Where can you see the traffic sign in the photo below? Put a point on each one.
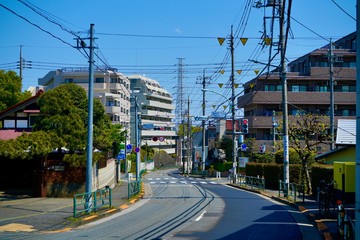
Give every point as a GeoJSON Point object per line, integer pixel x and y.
{"type": "Point", "coordinates": [243, 147]}
{"type": "Point", "coordinates": [128, 147]}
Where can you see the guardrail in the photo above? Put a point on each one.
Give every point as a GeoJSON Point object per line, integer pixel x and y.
{"type": "Point", "coordinates": [85, 203]}
{"type": "Point", "coordinates": [252, 182]}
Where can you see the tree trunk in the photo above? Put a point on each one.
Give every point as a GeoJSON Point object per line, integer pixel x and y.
{"type": "Point", "coordinates": [307, 178]}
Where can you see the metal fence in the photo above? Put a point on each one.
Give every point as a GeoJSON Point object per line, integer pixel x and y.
{"type": "Point", "coordinates": [252, 182]}
{"type": "Point", "coordinates": [290, 190]}
{"type": "Point", "coordinates": [134, 187]}
{"type": "Point", "coordinates": [85, 203]}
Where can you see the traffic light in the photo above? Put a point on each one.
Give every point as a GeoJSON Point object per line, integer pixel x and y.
{"type": "Point", "coordinates": [245, 126]}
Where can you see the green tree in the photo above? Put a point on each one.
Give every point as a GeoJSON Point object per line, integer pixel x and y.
{"type": "Point", "coordinates": [10, 89]}
{"type": "Point", "coordinates": [227, 145]}
{"type": "Point", "coordinates": [35, 145]}
{"type": "Point", "coordinates": [306, 132]}
{"type": "Point", "coordinates": [63, 112]}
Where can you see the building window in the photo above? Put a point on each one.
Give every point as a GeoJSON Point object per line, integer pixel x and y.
{"type": "Point", "coordinates": [68, 80]}
{"type": "Point", "coordinates": [99, 80]}
{"type": "Point", "coordinates": [9, 123]}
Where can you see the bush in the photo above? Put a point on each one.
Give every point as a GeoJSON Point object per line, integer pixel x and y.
{"type": "Point", "coordinates": [295, 173]}
{"type": "Point", "coordinates": [262, 158]}
{"type": "Point", "coordinates": [272, 175]}
{"type": "Point", "coordinates": [319, 173]}
{"type": "Point", "coordinates": [293, 157]}
{"type": "Point", "coordinates": [223, 166]}
{"type": "Point", "coordinates": [254, 169]}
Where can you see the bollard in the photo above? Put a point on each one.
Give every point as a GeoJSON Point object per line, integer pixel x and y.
{"type": "Point", "coordinates": [340, 219]}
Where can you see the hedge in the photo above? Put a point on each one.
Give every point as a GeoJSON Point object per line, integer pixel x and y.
{"type": "Point", "coordinates": [274, 172]}
{"type": "Point", "coordinates": [321, 172]}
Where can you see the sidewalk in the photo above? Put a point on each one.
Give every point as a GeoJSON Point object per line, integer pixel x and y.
{"type": "Point", "coordinates": [26, 214]}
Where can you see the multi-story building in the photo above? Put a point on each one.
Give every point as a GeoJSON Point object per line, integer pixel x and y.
{"type": "Point", "coordinates": [110, 87]}
{"type": "Point", "coordinates": [155, 106]}
{"type": "Point", "coordinates": [308, 84]}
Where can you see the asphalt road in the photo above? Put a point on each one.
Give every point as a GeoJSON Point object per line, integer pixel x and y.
{"type": "Point", "coordinates": [175, 207]}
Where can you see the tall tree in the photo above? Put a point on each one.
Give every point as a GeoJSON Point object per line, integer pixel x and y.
{"type": "Point", "coordinates": [306, 132]}
{"type": "Point", "coordinates": [10, 89]}
{"type": "Point", "coordinates": [63, 112]}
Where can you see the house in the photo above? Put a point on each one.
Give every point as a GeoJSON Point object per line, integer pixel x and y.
{"type": "Point", "coordinates": [19, 118]}
{"type": "Point", "coordinates": [345, 144]}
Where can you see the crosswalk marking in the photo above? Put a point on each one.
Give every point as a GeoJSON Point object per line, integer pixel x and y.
{"type": "Point", "coordinates": [172, 180]}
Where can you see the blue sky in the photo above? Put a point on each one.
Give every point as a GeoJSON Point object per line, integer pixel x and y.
{"type": "Point", "coordinates": [147, 37]}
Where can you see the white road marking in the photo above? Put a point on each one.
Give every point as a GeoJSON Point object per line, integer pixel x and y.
{"type": "Point", "coordinates": [200, 217]}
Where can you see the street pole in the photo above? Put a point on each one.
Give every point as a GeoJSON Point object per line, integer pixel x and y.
{"type": "Point", "coordinates": [284, 93]}
{"type": "Point", "coordinates": [233, 103]}
{"type": "Point", "coordinates": [89, 145]}
{"type": "Point", "coordinates": [331, 60]}
{"type": "Point", "coordinates": [188, 138]}
{"type": "Point", "coordinates": [203, 123]}
{"type": "Point", "coordinates": [137, 139]}
{"type": "Point", "coordinates": [357, 171]}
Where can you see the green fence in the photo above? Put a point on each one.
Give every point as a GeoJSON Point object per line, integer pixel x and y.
{"type": "Point", "coordinates": [134, 187]}
{"type": "Point", "coordinates": [85, 203]}
{"type": "Point", "coordinates": [252, 182]}
{"type": "Point", "coordinates": [288, 190]}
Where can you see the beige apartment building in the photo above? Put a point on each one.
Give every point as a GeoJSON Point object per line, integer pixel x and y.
{"type": "Point", "coordinates": [110, 87]}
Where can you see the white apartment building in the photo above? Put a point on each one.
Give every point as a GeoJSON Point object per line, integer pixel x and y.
{"type": "Point", "coordinates": [110, 87]}
{"type": "Point", "coordinates": [155, 107]}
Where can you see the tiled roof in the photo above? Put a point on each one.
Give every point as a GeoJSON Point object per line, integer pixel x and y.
{"type": "Point", "coordinates": [6, 134]}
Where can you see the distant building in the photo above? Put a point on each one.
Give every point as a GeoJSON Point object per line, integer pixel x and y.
{"type": "Point", "coordinates": [110, 87]}
{"type": "Point", "coordinates": [308, 79]}
{"type": "Point", "coordinates": [155, 105]}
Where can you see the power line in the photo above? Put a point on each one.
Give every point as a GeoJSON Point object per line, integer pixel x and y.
{"type": "Point", "coordinates": [35, 25]}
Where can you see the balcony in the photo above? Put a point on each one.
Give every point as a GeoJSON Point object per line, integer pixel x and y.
{"type": "Point", "coordinates": [301, 98]}
{"type": "Point", "coordinates": [160, 105]}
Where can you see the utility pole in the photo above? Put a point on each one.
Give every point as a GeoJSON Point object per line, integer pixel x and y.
{"type": "Point", "coordinates": [331, 61]}
{"type": "Point", "coordinates": [89, 145]}
{"type": "Point", "coordinates": [284, 92]}
{"type": "Point", "coordinates": [180, 111]}
{"type": "Point", "coordinates": [188, 137]}
{"type": "Point", "coordinates": [203, 82]}
{"type": "Point", "coordinates": [233, 103]}
{"type": "Point", "coordinates": [21, 63]}
{"type": "Point", "coordinates": [137, 138]}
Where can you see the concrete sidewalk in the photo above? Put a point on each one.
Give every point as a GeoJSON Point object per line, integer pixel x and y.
{"type": "Point", "coordinates": [27, 214]}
